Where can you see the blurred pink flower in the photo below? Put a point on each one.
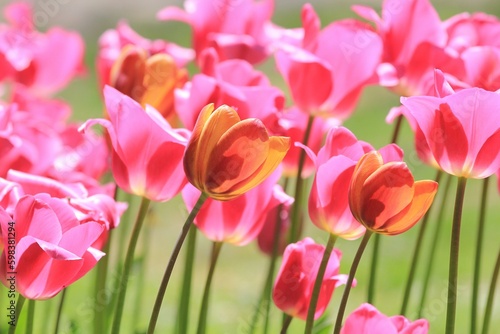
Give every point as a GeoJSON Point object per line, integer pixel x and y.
{"type": "Point", "coordinates": [366, 319]}
{"type": "Point", "coordinates": [233, 82]}
{"type": "Point", "coordinates": [53, 249]}
{"type": "Point", "coordinates": [328, 200]}
{"type": "Point", "coordinates": [147, 153]}
{"type": "Point", "coordinates": [458, 133]}
{"type": "Point", "coordinates": [235, 29]}
{"type": "Point", "coordinates": [414, 44]}
{"type": "Point", "coordinates": [27, 56]}
{"type": "Point", "coordinates": [328, 72]}
{"type": "Point", "coordinates": [237, 221]}
{"type": "Point", "coordinates": [295, 280]}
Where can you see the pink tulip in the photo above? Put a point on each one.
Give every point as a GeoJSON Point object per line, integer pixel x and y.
{"type": "Point", "coordinates": [297, 274]}
{"type": "Point", "coordinates": [414, 44]}
{"type": "Point", "coordinates": [279, 215]}
{"type": "Point", "coordinates": [235, 29]}
{"type": "Point", "coordinates": [321, 73]}
{"type": "Point", "coordinates": [27, 56]}
{"type": "Point", "coordinates": [237, 221]}
{"type": "Point", "coordinates": [459, 133]}
{"type": "Point", "coordinates": [366, 319]}
{"type": "Point", "coordinates": [113, 41]}
{"type": "Point", "coordinates": [147, 153]}
{"type": "Point", "coordinates": [292, 123]}
{"type": "Point", "coordinates": [233, 82]}
{"type": "Point", "coordinates": [328, 200]}
{"type": "Point", "coordinates": [53, 249]}
{"type": "Point", "coordinates": [482, 67]}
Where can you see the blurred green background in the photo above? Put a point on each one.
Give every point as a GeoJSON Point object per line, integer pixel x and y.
{"type": "Point", "coordinates": [241, 270]}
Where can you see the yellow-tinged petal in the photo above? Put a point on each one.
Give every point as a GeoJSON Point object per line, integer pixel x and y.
{"type": "Point", "coordinates": [385, 193]}
{"type": "Point", "coordinates": [366, 166]}
{"type": "Point", "coordinates": [220, 121]}
{"type": "Point", "coordinates": [127, 72]}
{"type": "Point", "coordinates": [424, 192]}
{"type": "Point", "coordinates": [237, 155]}
{"type": "Point", "coordinates": [159, 82]}
{"type": "Point", "coordinates": [191, 161]}
{"type": "Point", "coordinates": [278, 147]}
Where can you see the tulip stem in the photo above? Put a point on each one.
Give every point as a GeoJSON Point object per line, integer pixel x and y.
{"type": "Point", "coordinates": [183, 311]}
{"type": "Point", "coordinates": [416, 254]}
{"type": "Point", "coordinates": [352, 272]}
{"type": "Point", "coordinates": [317, 284]}
{"type": "Point", "coordinates": [477, 261]}
{"type": "Point", "coordinates": [19, 307]}
{"type": "Point", "coordinates": [127, 265]}
{"type": "Point", "coordinates": [171, 262]}
{"type": "Point", "coordinates": [287, 320]}
{"type": "Point", "coordinates": [202, 321]}
{"type": "Point", "coordinates": [432, 251]}
{"type": "Point", "coordinates": [491, 296]}
{"type": "Point", "coordinates": [299, 185]}
{"type": "Point", "coordinates": [454, 248]}
{"type": "Point", "coordinates": [31, 316]}
{"type": "Point", "coordinates": [59, 310]}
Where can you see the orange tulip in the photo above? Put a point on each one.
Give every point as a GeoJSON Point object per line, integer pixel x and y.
{"type": "Point", "coordinates": [385, 198]}
{"type": "Point", "coordinates": [226, 156]}
{"type": "Point", "coordinates": [148, 79]}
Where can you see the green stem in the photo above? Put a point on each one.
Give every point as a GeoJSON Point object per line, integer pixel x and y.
{"type": "Point", "coordinates": [19, 307]}
{"type": "Point", "coordinates": [454, 249]}
{"type": "Point", "coordinates": [170, 267]}
{"type": "Point", "coordinates": [202, 321]}
{"type": "Point", "coordinates": [432, 252]}
{"type": "Point", "coordinates": [299, 185]}
{"type": "Point", "coordinates": [59, 310]}
{"type": "Point", "coordinates": [100, 287]}
{"type": "Point", "coordinates": [183, 312]}
{"type": "Point", "coordinates": [477, 261]}
{"type": "Point", "coordinates": [376, 242]}
{"type": "Point", "coordinates": [352, 272]}
{"type": "Point", "coordinates": [286, 323]}
{"type": "Point", "coordinates": [416, 254]}
{"type": "Point", "coordinates": [491, 296]}
{"type": "Point", "coordinates": [317, 284]}
{"type": "Point", "coordinates": [373, 269]}
{"type": "Point", "coordinates": [31, 316]}
{"type": "Point", "coordinates": [122, 286]}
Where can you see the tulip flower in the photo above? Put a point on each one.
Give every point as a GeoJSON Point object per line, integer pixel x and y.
{"type": "Point", "coordinates": [460, 132]}
{"type": "Point", "coordinates": [240, 220]}
{"type": "Point", "coordinates": [295, 280]}
{"type": "Point", "coordinates": [226, 156]}
{"type": "Point", "coordinates": [384, 197]}
{"type": "Point", "coordinates": [366, 319]}
{"type": "Point", "coordinates": [147, 152]}
{"type": "Point", "coordinates": [150, 80]}
{"type": "Point", "coordinates": [53, 249]}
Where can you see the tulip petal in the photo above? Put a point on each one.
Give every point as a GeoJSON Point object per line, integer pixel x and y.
{"type": "Point", "coordinates": [368, 164]}
{"type": "Point", "coordinates": [386, 193]}
{"type": "Point", "coordinates": [237, 155]}
{"type": "Point", "coordinates": [278, 147]}
{"type": "Point", "coordinates": [160, 80]}
{"type": "Point", "coordinates": [488, 158]}
{"type": "Point", "coordinates": [424, 192]}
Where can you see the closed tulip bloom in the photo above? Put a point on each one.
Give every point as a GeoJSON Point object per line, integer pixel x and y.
{"type": "Point", "coordinates": [226, 156]}
{"type": "Point", "coordinates": [460, 131]}
{"type": "Point", "coordinates": [147, 153]}
{"type": "Point", "coordinates": [295, 280]}
{"type": "Point", "coordinates": [384, 196]}
{"type": "Point", "coordinates": [53, 249]}
{"type": "Point", "coordinates": [366, 319]}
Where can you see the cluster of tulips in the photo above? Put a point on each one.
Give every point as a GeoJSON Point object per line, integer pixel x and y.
{"type": "Point", "coordinates": [249, 161]}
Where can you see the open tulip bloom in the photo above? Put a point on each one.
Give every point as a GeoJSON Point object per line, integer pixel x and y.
{"type": "Point", "coordinates": [254, 134]}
